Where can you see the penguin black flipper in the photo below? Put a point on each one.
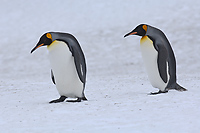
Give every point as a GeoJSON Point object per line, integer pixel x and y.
{"type": "Point", "coordinates": [162, 62]}
{"type": "Point", "coordinates": [80, 64]}
{"type": "Point", "coordinates": [52, 77]}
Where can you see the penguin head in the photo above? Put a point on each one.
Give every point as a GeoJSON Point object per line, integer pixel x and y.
{"type": "Point", "coordinates": [140, 30]}
{"type": "Point", "coordinates": [45, 40]}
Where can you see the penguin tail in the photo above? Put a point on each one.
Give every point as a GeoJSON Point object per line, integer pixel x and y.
{"type": "Point", "coordinates": [179, 88]}
{"type": "Point", "coordinates": [83, 97]}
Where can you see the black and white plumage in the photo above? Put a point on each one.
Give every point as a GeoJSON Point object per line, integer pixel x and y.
{"type": "Point", "coordinates": [68, 65]}
{"type": "Point", "coordinates": [158, 58]}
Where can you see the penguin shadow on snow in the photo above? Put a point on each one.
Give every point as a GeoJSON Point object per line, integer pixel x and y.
{"type": "Point", "coordinates": [158, 57]}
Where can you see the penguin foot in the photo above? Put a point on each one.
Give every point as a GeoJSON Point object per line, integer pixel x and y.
{"type": "Point", "coordinates": [73, 101]}
{"type": "Point", "coordinates": [61, 99]}
{"type": "Point", "coordinates": [159, 92]}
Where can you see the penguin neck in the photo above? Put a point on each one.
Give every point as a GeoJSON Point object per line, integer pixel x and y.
{"type": "Point", "coordinates": [145, 38]}
{"type": "Point", "coordinates": [56, 45]}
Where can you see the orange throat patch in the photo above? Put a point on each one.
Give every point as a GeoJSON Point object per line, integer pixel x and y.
{"type": "Point", "coordinates": [144, 39]}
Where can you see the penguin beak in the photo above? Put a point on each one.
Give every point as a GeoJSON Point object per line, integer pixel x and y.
{"type": "Point", "coordinates": [131, 33]}
{"type": "Point", "coordinates": [37, 46]}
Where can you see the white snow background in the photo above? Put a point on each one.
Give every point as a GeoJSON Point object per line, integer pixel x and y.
{"type": "Point", "coordinates": [117, 85]}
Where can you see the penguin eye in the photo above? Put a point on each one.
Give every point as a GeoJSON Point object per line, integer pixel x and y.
{"type": "Point", "coordinates": [144, 27]}
{"type": "Point", "coordinates": [48, 35]}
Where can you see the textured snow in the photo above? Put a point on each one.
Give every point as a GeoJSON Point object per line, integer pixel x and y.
{"type": "Point", "coordinates": [117, 85]}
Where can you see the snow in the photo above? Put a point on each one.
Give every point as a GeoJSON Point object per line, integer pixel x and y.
{"type": "Point", "coordinates": [117, 84]}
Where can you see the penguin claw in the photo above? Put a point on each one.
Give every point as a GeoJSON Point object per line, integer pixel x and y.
{"type": "Point", "coordinates": [159, 92]}
{"type": "Point", "coordinates": [61, 99]}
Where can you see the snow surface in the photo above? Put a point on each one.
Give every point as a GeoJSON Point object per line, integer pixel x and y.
{"type": "Point", "coordinates": [117, 84]}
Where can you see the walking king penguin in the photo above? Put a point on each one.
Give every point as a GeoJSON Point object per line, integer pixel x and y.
{"type": "Point", "coordinates": [158, 58]}
{"type": "Point", "coordinates": [68, 65]}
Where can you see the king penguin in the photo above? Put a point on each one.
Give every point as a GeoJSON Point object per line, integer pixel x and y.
{"type": "Point", "coordinates": [159, 59]}
{"type": "Point", "coordinates": [68, 64]}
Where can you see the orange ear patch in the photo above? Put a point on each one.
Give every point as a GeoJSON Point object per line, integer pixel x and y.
{"type": "Point", "coordinates": [144, 27]}
{"type": "Point", "coordinates": [48, 35]}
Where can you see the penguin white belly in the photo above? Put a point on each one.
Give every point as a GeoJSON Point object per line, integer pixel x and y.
{"type": "Point", "coordinates": [64, 70]}
{"type": "Point", "coordinates": [150, 55]}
